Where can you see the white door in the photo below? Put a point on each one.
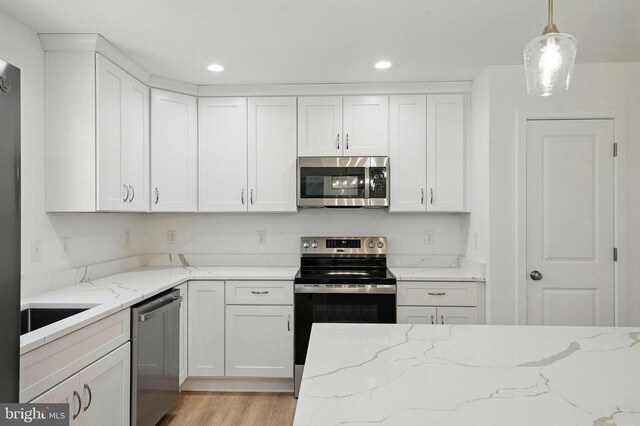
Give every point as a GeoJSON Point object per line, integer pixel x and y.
{"type": "Point", "coordinates": [184, 330]}
{"type": "Point", "coordinates": [570, 234]}
{"type": "Point", "coordinates": [65, 393]}
{"type": "Point", "coordinates": [320, 126]}
{"type": "Point", "coordinates": [366, 126]}
{"type": "Point", "coordinates": [416, 315]}
{"type": "Point", "coordinates": [222, 143]}
{"type": "Point", "coordinates": [206, 328]}
{"type": "Point", "coordinates": [174, 152]}
{"type": "Point", "coordinates": [457, 315]}
{"type": "Point", "coordinates": [111, 83]}
{"type": "Point", "coordinates": [446, 153]}
{"type": "Point", "coordinates": [135, 145]}
{"type": "Point", "coordinates": [408, 153]}
{"type": "Point", "coordinates": [272, 154]}
{"type": "Point", "coordinates": [259, 341]}
{"type": "Point", "coordinates": [105, 387]}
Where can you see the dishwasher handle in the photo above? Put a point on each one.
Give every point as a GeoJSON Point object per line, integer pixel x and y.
{"type": "Point", "coordinates": [171, 303]}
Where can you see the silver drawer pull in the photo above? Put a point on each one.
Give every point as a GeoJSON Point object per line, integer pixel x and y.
{"type": "Point", "coordinates": [436, 294]}
{"type": "Point", "coordinates": [432, 320]}
{"type": "Point", "coordinates": [442, 319]}
{"type": "Point", "coordinates": [259, 292]}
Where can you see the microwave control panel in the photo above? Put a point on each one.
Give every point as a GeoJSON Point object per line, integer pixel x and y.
{"type": "Point", "coordinates": [378, 182]}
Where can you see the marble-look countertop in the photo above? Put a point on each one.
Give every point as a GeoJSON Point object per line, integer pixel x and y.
{"type": "Point", "coordinates": [111, 294]}
{"type": "Point", "coordinates": [357, 374]}
{"type": "Point", "coordinates": [468, 273]}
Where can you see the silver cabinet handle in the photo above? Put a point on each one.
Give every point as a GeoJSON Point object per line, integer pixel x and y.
{"type": "Point", "coordinates": [346, 141]}
{"type": "Point", "coordinates": [157, 195]}
{"type": "Point", "coordinates": [126, 197]}
{"type": "Point", "coordinates": [431, 190]}
{"type": "Point", "coordinates": [288, 322]}
{"type": "Point", "coordinates": [432, 320]}
{"type": "Point", "coordinates": [421, 195]}
{"type": "Point", "coordinates": [86, 386]}
{"type": "Point", "coordinates": [259, 292]}
{"type": "Point", "coordinates": [338, 141]}
{"type": "Point", "coordinates": [441, 319]}
{"type": "Point", "coordinates": [133, 193]}
{"type": "Point", "coordinates": [251, 196]}
{"type": "Point", "coordinates": [77, 395]}
{"type": "Point", "coordinates": [242, 196]}
{"type": "Point", "coordinates": [436, 293]}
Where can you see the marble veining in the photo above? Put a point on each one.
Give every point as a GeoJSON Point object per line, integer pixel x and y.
{"type": "Point", "coordinates": [358, 374]}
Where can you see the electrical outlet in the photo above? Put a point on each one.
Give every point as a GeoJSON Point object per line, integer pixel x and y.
{"type": "Point", "coordinates": [36, 251]}
{"type": "Point", "coordinates": [429, 238]}
{"type": "Point", "coordinates": [476, 244]}
{"type": "Point", "coordinates": [127, 238]}
{"type": "Point", "coordinates": [262, 238]}
{"type": "Point", "coordinates": [64, 241]}
{"type": "Point", "coordinates": [171, 237]}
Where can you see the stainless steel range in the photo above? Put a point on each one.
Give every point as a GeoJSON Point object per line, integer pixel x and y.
{"type": "Point", "coordinates": [341, 280]}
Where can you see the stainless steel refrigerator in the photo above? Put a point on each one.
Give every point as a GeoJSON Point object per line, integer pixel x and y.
{"type": "Point", "coordinates": [9, 232]}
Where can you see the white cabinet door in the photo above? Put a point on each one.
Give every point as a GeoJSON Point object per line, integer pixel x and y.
{"type": "Point", "coordinates": [174, 152]}
{"type": "Point", "coordinates": [320, 126]}
{"type": "Point", "coordinates": [135, 145]}
{"type": "Point", "coordinates": [259, 341]}
{"type": "Point", "coordinates": [184, 330]}
{"type": "Point", "coordinates": [366, 126]}
{"type": "Point", "coordinates": [65, 393]}
{"type": "Point", "coordinates": [457, 315]}
{"type": "Point", "coordinates": [105, 387]}
{"type": "Point", "coordinates": [272, 154]}
{"type": "Point", "coordinates": [206, 328]}
{"type": "Point", "coordinates": [111, 84]}
{"type": "Point", "coordinates": [222, 142]}
{"type": "Point", "coordinates": [446, 153]}
{"type": "Point", "coordinates": [408, 153]}
{"type": "Point", "coordinates": [416, 315]}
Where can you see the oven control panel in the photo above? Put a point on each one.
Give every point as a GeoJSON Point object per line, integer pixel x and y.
{"type": "Point", "coordinates": [343, 245]}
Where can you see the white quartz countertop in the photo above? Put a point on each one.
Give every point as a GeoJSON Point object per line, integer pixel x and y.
{"type": "Point", "coordinates": [388, 374]}
{"type": "Point", "coordinates": [111, 294]}
{"type": "Point", "coordinates": [469, 273]}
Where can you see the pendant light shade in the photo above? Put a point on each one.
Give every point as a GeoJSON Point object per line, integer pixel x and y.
{"type": "Point", "coordinates": [549, 60]}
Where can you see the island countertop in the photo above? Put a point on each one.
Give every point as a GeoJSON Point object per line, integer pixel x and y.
{"type": "Point", "coordinates": [392, 374]}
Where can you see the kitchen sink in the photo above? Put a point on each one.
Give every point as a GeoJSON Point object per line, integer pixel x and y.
{"type": "Point", "coordinates": [34, 318]}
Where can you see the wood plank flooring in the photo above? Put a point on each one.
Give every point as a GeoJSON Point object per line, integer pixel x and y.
{"type": "Point", "coordinates": [231, 409]}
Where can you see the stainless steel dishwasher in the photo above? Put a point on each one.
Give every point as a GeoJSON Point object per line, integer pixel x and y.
{"type": "Point", "coordinates": [155, 345]}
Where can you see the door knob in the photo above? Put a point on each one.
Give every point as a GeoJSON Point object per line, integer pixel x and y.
{"type": "Point", "coordinates": [535, 275]}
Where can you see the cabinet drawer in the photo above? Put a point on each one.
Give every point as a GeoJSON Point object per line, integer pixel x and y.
{"type": "Point", "coordinates": [259, 293]}
{"type": "Point", "coordinates": [437, 293]}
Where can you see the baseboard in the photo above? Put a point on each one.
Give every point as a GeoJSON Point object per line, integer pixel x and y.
{"type": "Point", "coordinates": [237, 384]}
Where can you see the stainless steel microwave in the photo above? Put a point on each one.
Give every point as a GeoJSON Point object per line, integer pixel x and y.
{"type": "Point", "coordinates": [343, 182]}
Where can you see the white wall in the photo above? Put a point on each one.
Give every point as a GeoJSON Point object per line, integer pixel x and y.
{"type": "Point", "coordinates": [92, 238]}
{"type": "Point", "coordinates": [595, 86]}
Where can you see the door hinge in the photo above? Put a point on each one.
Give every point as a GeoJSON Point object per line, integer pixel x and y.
{"type": "Point", "coordinates": [615, 149]}
{"type": "Point", "coordinates": [615, 254]}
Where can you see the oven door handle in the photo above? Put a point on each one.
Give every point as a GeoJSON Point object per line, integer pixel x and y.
{"type": "Point", "coordinates": [378, 289]}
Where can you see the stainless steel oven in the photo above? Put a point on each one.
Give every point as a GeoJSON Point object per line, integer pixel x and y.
{"type": "Point", "coordinates": [343, 181]}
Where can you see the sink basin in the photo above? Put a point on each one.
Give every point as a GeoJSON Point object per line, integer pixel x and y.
{"type": "Point", "coordinates": [34, 318]}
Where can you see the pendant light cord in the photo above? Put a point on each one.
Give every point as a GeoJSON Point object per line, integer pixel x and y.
{"type": "Point", "coordinates": [550, 12]}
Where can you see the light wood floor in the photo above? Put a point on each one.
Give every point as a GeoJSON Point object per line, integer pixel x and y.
{"type": "Point", "coordinates": [223, 408]}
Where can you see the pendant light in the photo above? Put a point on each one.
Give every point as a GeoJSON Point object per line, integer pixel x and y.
{"type": "Point", "coordinates": [549, 60]}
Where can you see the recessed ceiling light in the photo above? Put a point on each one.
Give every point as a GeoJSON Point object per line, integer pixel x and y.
{"type": "Point", "coordinates": [382, 65]}
{"type": "Point", "coordinates": [215, 68]}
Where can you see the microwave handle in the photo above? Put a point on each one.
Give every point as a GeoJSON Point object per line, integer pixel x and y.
{"type": "Point", "coordinates": [367, 183]}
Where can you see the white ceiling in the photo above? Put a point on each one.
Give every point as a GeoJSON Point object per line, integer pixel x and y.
{"type": "Point", "coordinates": [322, 41]}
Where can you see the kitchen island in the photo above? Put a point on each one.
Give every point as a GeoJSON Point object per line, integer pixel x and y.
{"type": "Point", "coordinates": [470, 375]}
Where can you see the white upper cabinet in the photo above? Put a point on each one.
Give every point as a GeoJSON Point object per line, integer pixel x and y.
{"type": "Point", "coordinates": [272, 154]}
{"type": "Point", "coordinates": [222, 141]}
{"type": "Point", "coordinates": [320, 126]}
{"type": "Point", "coordinates": [366, 126]}
{"type": "Point", "coordinates": [174, 152]}
{"type": "Point", "coordinates": [122, 140]}
{"type": "Point", "coordinates": [446, 153]}
{"type": "Point", "coordinates": [408, 153]}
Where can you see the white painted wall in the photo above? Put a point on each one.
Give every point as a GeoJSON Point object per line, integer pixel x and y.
{"type": "Point", "coordinates": [595, 86]}
{"type": "Point", "coordinates": [92, 238]}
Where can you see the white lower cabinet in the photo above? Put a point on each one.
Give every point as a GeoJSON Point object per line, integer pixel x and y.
{"type": "Point", "coordinates": [99, 394]}
{"type": "Point", "coordinates": [184, 330]}
{"type": "Point", "coordinates": [437, 315]}
{"type": "Point", "coordinates": [259, 341]}
{"type": "Point", "coordinates": [206, 329]}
